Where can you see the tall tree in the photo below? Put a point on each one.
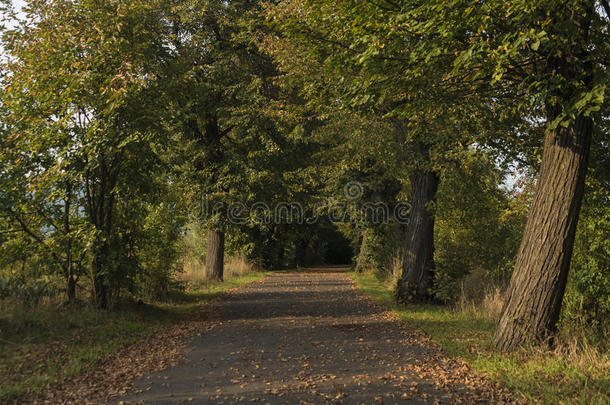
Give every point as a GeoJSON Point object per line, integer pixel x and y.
{"type": "Point", "coordinates": [549, 64]}
{"type": "Point", "coordinates": [80, 74]}
{"type": "Point", "coordinates": [358, 58]}
{"type": "Point", "coordinates": [558, 61]}
{"type": "Point", "coordinates": [220, 88]}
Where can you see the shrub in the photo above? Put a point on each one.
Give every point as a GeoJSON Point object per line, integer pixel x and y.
{"type": "Point", "coordinates": [28, 292]}
{"type": "Point", "coordinates": [586, 308]}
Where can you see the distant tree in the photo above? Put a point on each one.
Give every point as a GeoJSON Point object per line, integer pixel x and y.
{"type": "Point", "coordinates": [352, 57]}
{"type": "Point", "coordinates": [219, 86]}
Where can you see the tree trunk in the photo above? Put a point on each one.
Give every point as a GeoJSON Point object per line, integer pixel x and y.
{"type": "Point", "coordinates": [101, 292]}
{"type": "Point", "coordinates": [214, 259]}
{"type": "Point", "coordinates": [362, 262]}
{"type": "Point", "coordinates": [69, 264]}
{"type": "Point", "coordinates": [100, 280]}
{"type": "Point", "coordinates": [71, 289]}
{"type": "Point", "coordinates": [301, 252]}
{"type": "Point", "coordinates": [418, 259]}
{"type": "Point", "coordinates": [533, 300]}
{"type": "Point", "coordinates": [70, 279]}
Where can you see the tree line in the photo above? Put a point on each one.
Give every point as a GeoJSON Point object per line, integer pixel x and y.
{"type": "Point", "coordinates": [117, 118]}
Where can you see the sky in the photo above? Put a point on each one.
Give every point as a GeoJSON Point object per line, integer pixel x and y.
{"type": "Point", "coordinates": [18, 3]}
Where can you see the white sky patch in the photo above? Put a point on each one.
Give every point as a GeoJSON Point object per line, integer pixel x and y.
{"type": "Point", "coordinates": [18, 4]}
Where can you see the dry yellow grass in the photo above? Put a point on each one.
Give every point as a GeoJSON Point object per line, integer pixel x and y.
{"type": "Point", "coordinates": [395, 271]}
{"type": "Point", "coordinates": [574, 372]}
{"type": "Point", "coordinates": [488, 307]}
{"type": "Point", "coordinates": [570, 351]}
{"type": "Point", "coordinates": [193, 273]}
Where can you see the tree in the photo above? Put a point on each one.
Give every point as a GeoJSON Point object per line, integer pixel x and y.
{"type": "Point", "coordinates": [549, 64]}
{"type": "Point", "coordinates": [80, 74]}
{"type": "Point", "coordinates": [361, 167]}
{"type": "Point", "coordinates": [358, 57]}
{"type": "Point", "coordinates": [557, 60]}
{"type": "Point", "coordinates": [217, 82]}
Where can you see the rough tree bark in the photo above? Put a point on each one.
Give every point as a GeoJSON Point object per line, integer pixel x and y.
{"type": "Point", "coordinates": [362, 262]}
{"type": "Point", "coordinates": [418, 259]}
{"type": "Point", "coordinates": [214, 264]}
{"type": "Point", "coordinates": [533, 300]}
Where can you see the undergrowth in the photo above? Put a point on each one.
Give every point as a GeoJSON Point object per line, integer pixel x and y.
{"type": "Point", "coordinates": [47, 344]}
{"type": "Point", "coordinates": [573, 373]}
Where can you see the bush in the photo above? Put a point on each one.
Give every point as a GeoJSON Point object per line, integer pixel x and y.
{"type": "Point", "coordinates": [478, 225]}
{"type": "Point", "coordinates": [158, 252]}
{"type": "Point", "coordinates": [586, 308]}
{"type": "Point", "coordinates": [28, 292]}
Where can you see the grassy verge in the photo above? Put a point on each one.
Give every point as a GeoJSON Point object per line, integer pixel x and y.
{"type": "Point", "coordinates": [48, 344]}
{"type": "Point", "coordinates": [538, 376]}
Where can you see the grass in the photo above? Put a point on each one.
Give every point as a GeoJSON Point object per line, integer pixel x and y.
{"type": "Point", "coordinates": [49, 344]}
{"type": "Point", "coordinates": [571, 374]}
{"type": "Point", "coordinates": [193, 272]}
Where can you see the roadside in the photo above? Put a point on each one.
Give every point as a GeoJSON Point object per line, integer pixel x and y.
{"type": "Point", "coordinates": [311, 337]}
{"type": "Point", "coordinates": [45, 353]}
{"type": "Point", "coordinates": [563, 376]}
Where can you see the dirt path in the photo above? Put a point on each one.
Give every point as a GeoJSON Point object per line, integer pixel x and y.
{"type": "Point", "coordinates": [311, 338]}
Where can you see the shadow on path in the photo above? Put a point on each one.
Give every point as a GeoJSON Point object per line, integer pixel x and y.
{"type": "Point", "coordinates": [305, 337]}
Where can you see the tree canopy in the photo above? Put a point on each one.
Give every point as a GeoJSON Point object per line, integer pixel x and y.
{"type": "Point", "coordinates": [295, 132]}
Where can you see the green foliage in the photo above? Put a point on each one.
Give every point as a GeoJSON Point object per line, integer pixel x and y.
{"type": "Point", "coordinates": [532, 374]}
{"type": "Point", "coordinates": [76, 124]}
{"type": "Point", "coordinates": [78, 159]}
{"type": "Point", "coordinates": [56, 343]}
{"type": "Point", "coordinates": [362, 151]}
{"type": "Point", "coordinates": [27, 292]}
{"type": "Point", "coordinates": [478, 224]}
{"type": "Point", "coordinates": [158, 251]}
{"type": "Point", "coordinates": [587, 303]}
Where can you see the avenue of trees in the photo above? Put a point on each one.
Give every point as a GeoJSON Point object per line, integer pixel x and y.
{"type": "Point", "coordinates": [122, 122]}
